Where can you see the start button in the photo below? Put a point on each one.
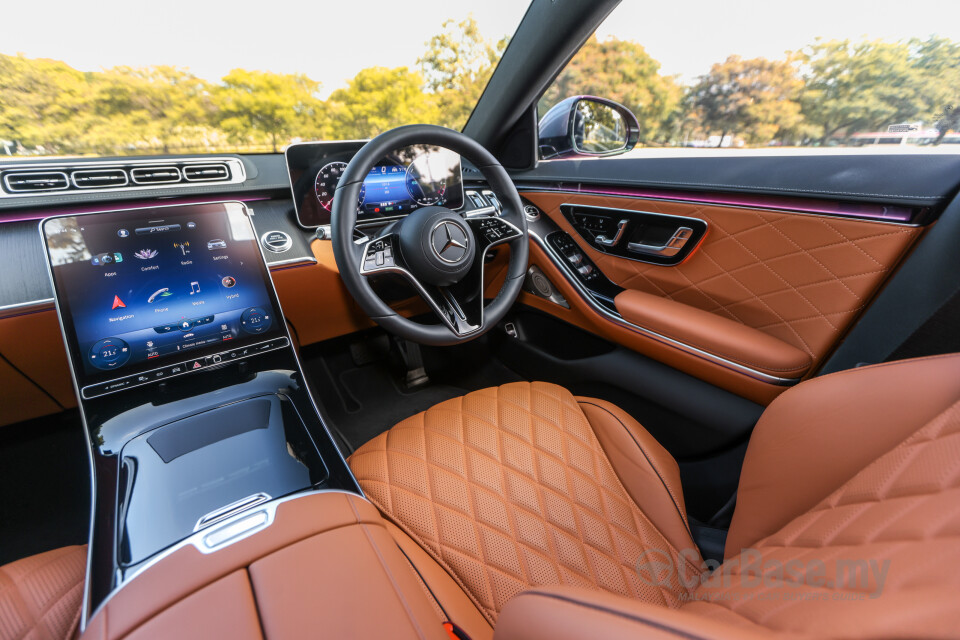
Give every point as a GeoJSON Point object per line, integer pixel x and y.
{"type": "Point", "coordinates": [276, 241]}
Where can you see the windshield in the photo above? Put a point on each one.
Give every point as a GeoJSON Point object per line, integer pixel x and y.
{"type": "Point", "coordinates": [196, 77]}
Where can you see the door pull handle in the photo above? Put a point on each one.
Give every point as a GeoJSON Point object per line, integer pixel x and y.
{"type": "Point", "coordinates": [612, 242]}
{"type": "Point", "coordinates": [669, 249]}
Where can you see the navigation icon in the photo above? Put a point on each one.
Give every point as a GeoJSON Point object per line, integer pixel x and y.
{"type": "Point", "coordinates": [117, 303]}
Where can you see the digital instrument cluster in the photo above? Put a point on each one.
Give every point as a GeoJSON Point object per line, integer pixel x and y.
{"type": "Point", "coordinates": [405, 180]}
{"type": "Point", "coordinates": [146, 293]}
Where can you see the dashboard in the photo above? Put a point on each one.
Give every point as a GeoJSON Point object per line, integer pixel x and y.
{"type": "Point", "coordinates": [403, 181]}
{"type": "Point", "coordinates": [155, 292]}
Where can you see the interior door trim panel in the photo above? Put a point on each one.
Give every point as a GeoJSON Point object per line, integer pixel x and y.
{"type": "Point", "coordinates": [801, 279]}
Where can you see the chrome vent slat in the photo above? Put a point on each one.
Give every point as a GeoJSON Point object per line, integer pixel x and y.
{"type": "Point", "coordinates": [99, 178]}
{"type": "Point", "coordinates": [155, 175]}
{"type": "Point", "coordinates": [24, 180]}
{"type": "Point", "coordinates": [206, 172]}
{"type": "Point", "coordinates": [35, 181]}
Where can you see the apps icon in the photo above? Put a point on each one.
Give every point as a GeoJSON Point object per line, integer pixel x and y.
{"type": "Point", "coordinates": [118, 303]}
{"type": "Point", "coordinates": [229, 282]}
{"type": "Point", "coordinates": [145, 254]}
{"type": "Point", "coordinates": [215, 244]}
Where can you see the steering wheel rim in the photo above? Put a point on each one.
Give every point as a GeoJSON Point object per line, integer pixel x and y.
{"type": "Point", "coordinates": [353, 260]}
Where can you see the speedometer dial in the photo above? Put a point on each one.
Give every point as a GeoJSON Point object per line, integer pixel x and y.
{"type": "Point", "coordinates": [427, 178]}
{"type": "Point", "coordinates": [326, 184]}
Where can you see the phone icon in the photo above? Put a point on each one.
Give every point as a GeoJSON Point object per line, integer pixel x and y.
{"type": "Point", "coordinates": [159, 293]}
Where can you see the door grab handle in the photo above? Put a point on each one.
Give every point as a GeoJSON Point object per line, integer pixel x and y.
{"type": "Point", "coordinates": [672, 247]}
{"type": "Point", "coordinates": [612, 242]}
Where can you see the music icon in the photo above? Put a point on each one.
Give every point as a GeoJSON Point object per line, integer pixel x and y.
{"type": "Point", "coordinates": [194, 287]}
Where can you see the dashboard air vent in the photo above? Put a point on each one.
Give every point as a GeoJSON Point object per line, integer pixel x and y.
{"type": "Point", "coordinates": [35, 181]}
{"type": "Point", "coordinates": [99, 178]}
{"type": "Point", "coordinates": [30, 180]}
{"type": "Point", "coordinates": [206, 172]}
{"type": "Point", "coordinates": [155, 175]}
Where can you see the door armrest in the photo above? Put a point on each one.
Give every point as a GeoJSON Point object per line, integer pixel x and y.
{"type": "Point", "coordinates": [713, 334]}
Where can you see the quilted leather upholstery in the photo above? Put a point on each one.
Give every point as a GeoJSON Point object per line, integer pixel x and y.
{"type": "Point", "coordinates": [508, 488]}
{"type": "Point", "coordinates": [899, 512]}
{"type": "Point", "coordinates": [40, 596]}
{"type": "Point", "coordinates": [800, 278]}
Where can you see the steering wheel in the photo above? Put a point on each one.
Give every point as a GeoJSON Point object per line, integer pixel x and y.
{"type": "Point", "coordinates": [440, 252]}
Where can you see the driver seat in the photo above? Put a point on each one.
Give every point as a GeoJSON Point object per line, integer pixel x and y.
{"type": "Point", "coordinates": [548, 515]}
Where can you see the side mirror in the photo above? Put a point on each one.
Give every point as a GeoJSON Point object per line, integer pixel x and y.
{"type": "Point", "coordinates": [587, 126]}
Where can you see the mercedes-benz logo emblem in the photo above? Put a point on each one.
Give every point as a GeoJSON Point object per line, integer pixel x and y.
{"type": "Point", "coordinates": [449, 241]}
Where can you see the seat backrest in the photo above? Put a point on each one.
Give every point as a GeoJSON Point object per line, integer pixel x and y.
{"type": "Point", "coordinates": [814, 438]}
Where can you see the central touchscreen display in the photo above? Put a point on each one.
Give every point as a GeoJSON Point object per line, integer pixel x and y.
{"type": "Point", "coordinates": [144, 288]}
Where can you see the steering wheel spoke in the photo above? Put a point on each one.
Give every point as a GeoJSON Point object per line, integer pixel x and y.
{"type": "Point", "coordinates": [382, 255]}
{"type": "Point", "coordinates": [491, 230]}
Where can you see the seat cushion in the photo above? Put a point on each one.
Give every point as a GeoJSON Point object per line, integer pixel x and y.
{"type": "Point", "coordinates": [510, 488]}
{"type": "Point", "coordinates": [40, 596]}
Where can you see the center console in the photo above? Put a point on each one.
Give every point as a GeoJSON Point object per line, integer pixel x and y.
{"type": "Point", "coordinates": [191, 393]}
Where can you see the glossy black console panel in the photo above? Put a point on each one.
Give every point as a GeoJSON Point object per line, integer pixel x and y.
{"type": "Point", "coordinates": [181, 477]}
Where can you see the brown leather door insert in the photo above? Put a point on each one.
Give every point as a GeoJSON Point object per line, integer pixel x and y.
{"type": "Point", "coordinates": [799, 278]}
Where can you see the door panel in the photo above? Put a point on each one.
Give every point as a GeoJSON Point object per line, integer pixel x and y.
{"type": "Point", "coordinates": [588, 316]}
{"type": "Point", "coordinates": [801, 279]}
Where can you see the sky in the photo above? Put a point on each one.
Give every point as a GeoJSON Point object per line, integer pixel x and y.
{"type": "Point", "coordinates": [331, 40]}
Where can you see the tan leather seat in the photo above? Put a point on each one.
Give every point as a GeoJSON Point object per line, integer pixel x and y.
{"type": "Point", "coordinates": [847, 521]}
{"type": "Point", "coordinates": [40, 596]}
